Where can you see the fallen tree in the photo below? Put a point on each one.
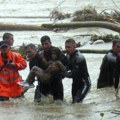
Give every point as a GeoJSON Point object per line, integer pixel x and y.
{"type": "Point", "coordinates": [101, 24]}
{"type": "Point", "coordinates": [93, 51]}
{"type": "Point", "coordinates": [51, 26]}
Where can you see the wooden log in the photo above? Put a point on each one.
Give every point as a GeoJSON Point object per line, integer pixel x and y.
{"type": "Point", "coordinates": [19, 27]}
{"type": "Point", "coordinates": [91, 51]}
{"type": "Point", "coordinates": [94, 51]}
{"type": "Point", "coordinates": [51, 26]}
{"type": "Point", "coordinates": [26, 17]}
{"type": "Point", "coordinates": [101, 24]}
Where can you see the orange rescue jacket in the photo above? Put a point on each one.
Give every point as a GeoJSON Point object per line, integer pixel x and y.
{"type": "Point", "coordinates": [10, 76]}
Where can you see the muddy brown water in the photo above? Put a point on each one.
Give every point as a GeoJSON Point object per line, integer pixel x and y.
{"type": "Point", "coordinates": [96, 102]}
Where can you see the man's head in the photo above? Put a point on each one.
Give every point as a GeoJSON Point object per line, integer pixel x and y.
{"type": "Point", "coordinates": [116, 46]}
{"type": "Point", "coordinates": [46, 43]}
{"type": "Point", "coordinates": [9, 38]}
{"type": "Point", "coordinates": [30, 50]}
{"type": "Point", "coordinates": [4, 47]}
{"type": "Point", "coordinates": [70, 46]}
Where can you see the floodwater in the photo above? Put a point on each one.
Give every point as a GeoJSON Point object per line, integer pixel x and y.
{"type": "Point", "coordinates": [96, 102]}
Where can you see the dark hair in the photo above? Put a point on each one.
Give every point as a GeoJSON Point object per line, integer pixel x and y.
{"type": "Point", "coordinates": [7, 35]}
{"type": "Point", "coordinates": [45, 38]}
{"type": "Point", "coordinates": [32, 46]}
{"type": "Point", "coordinates": [3, 44]}
{"type": "Point", "coordinates": [114, 42]}
{"type": "Point", "coordinates": [57, 52]}
{"type": "Point", "coordinates": [70, 41]}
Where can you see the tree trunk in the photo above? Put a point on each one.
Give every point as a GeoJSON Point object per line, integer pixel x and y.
{"type": "Point", "coordinates": [51, 26]}
{"type": "Point", "coordinates": [108, 25]}
{"type": "Point", "coordinates": [91, 51]}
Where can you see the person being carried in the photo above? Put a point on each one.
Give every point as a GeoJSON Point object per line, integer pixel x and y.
{"type": "Point", "coordinates": [55, 87]}
{"type": "Point", "coordinates": [10, 64]}
{"type": "Point", "coordinates": [54, 66]}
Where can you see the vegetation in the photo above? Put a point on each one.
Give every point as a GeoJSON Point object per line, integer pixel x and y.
{"type": "Point", "coordinates": [105, 38]}
{"type": "Point", "coordinates": [56, 14]}
{"type": "Point", "coordinates": [102, 115]}
{"type": "Point", "coordinates": [20, 49]}
{"type": "Point", "coordinates": [87, 14]}
{"type": "Point", "coordinates": [90, 14]}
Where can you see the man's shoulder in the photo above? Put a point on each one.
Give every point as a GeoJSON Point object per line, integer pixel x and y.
{"type": "Point", "coordinates": [16, 53]}
{"type": "Point", "coordinates": [111, 56]}
{"type": "Point", "coordinates": [79, 57]}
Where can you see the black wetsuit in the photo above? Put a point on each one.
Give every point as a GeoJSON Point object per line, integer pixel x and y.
{"type": "Point", "coordinates": [36, 61]}
{"type": "Point", "coordinates": [56, 86]}
{"type": "Point", "coordinates": [108, 72]}
{"type": "Point", "coordinates": [79, 73]}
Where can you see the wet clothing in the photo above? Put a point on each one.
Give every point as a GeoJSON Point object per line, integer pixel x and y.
{"type": "Point", "coordinates": [37, 61]}
{"type": "Point", "coordinates": [78, 72]}
{"type": "Point", "coordinates": [46, 75]}
{"type": "Point", "coordinates": [55, 87]}
{"type": "Point", "coordinates": [117, 73]}
{"type": "Point", "coordinates": [108, 72]}
{"type": "Point", "coordinates": [9, 77]}
{"type": "Point", "coordinates": [4, 98]}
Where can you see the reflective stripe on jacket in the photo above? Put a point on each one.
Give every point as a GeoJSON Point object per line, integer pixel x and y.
{"type": "Point", "coordinates": [10, 76]}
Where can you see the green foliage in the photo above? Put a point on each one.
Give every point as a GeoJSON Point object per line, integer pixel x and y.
{"type": "Point", "coordinates": [22, 49]}
{"type": "Point", "coordinates": [105, 38]}
{"type": "Point", "coordinates": [102, 115]}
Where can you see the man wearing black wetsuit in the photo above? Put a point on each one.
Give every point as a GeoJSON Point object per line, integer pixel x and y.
{"type": "Point", "coordinates": [78, 72]}
{"type": "Point", "coordinates": [109, 71]}
{"type": "Point", "coordinates": [56, 85]}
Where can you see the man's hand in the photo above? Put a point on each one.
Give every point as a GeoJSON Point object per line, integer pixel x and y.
{"type": "Point", "coordinates": [11, 65]}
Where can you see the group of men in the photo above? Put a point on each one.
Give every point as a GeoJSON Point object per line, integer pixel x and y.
{"type": "Point", "coordinates": [74, 62]}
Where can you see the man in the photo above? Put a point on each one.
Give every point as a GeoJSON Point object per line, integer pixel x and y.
{"type": "Point", "coordinates": [9, 38]}
{"type": "Point", "coordinates": [54, 67]}
{"type": "Point", "coordinates": [35, 60]}
{"type": "Point", "coordinates": [10, 64]}
{"type": "Point", "coordinates": [109, 71]}
{"type": "Point", "coordinates": [56, 86]}
{"type": "Point", "coordinates": [78, 72]}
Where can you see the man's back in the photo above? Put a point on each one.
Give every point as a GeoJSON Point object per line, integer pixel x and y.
{"type": "Point", "coordinates": [107, 70]}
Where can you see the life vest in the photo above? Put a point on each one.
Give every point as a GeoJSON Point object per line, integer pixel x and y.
{"type": "Point", "coordinates": [10, 76]}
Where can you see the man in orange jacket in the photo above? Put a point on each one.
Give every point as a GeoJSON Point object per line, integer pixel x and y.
{"type": "Point", "coordinates": [10, 64]}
